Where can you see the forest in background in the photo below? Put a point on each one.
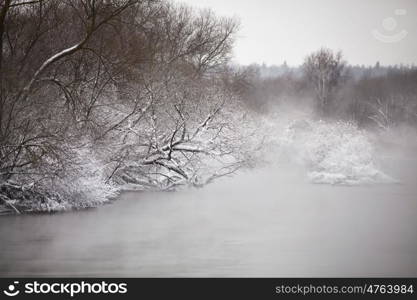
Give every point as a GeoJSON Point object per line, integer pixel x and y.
{"type": "Point", "coordinates": [101, 96]}
{"type": "Point", "coordinates": [371, 96]}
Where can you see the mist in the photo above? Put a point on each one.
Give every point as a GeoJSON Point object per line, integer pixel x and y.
{"type": "Point", "coordinates": [134, 144]}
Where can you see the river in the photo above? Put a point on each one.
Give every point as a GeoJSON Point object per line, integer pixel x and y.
{"type": "Point", "coordinates": [265, 222]}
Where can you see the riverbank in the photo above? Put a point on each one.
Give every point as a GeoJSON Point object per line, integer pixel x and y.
{"type": "Point", "coordinates": [329, 152]}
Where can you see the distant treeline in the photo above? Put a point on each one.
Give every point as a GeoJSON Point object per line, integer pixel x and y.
{"type": "Point", "coordinates": [382, 96]}
{"type": "Point", "coordinates": [354, 71]}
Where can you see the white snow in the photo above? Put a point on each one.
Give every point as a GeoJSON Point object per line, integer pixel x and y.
{"type": "Point", "coordinates": [331, 152]}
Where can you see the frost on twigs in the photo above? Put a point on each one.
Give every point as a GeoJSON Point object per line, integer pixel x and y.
{"type": "Point", "coordinates": [192, 133]}
{"type": "Point", "coordinates": [335, 152]}
{"type": "Point", "coordinates": [97, 96]}
{"type": "Point", "coordinates": [81, 186]}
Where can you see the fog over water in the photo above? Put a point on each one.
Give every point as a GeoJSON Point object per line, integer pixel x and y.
{"type": "Point", "coordinates": [268, 221]}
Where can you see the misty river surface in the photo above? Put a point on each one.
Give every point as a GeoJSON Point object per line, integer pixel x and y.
{"type": "Point", "coordinates": [264, 222]}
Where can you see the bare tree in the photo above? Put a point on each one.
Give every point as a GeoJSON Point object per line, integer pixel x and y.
{"type": "Point", "coordinates": [324, 71]}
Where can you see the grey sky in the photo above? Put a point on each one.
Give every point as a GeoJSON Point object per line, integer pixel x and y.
{"type": "Point", "coordinates": [276, 30]}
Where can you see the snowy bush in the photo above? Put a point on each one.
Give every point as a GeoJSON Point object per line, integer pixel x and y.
{"type": "Point", "coordinates": [82, 185]}
{"type": "Point", "coordinates": [85, 184]}
{"type": "Point", "coordinates": [334, 153]}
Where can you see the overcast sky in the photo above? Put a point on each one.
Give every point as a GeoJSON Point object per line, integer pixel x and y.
{"type": "Point", "coordinates": [273, 31]}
